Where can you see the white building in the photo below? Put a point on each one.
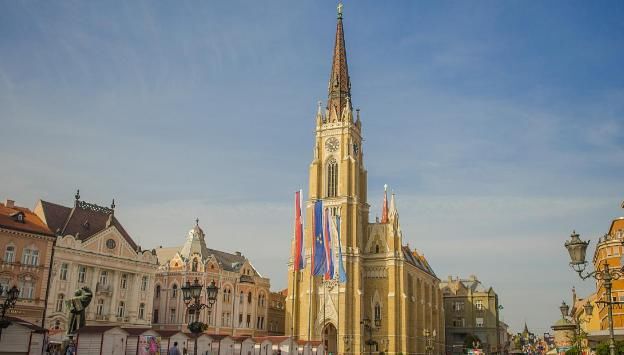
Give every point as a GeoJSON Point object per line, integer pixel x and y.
{"type": "Point", "coordinates": [94, 250]}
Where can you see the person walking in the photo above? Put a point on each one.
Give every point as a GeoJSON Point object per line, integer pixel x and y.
{"type": "Point", "coordinates": [174, 349]}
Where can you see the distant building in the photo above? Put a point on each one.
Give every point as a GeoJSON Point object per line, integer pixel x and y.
{"type": "Point", "coordinates": [26, 247]}
{"type": "Point", "coordinates": [471, 309]}
{"type": "Point", "coordinates": [94, 250]}
{"type": "Point", "coordinates": [610, 250]}
{"type": "Point", "coordinates": [277, 313]}
{"type": "Point", "coordinates": [242, 304]}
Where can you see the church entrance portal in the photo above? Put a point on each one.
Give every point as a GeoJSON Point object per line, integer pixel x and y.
{"type": "Point", "coordinates": [331, 339]}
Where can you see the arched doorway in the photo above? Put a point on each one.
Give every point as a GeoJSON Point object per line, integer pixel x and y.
{"type": "Point", "coordinates": [330, 335]}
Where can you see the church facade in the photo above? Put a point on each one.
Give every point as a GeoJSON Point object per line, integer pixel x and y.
{"type": "Point", "coordinates": [391, 301]}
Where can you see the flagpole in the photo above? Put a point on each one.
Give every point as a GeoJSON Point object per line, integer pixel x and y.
{"type": "Point", "coordinates": [323, 328]}
{"type": "Point", "coordinates": [294, 267]}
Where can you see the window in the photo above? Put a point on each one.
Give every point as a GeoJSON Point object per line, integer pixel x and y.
{"type": "Point", "coordinates": [59, 302]}
{"type": "Point", "coordinates": [144, 283]}
{"type": "Point", "coordinates": [377, 249]}
{"type": "Point", "coordinates": [377, 311]}
{"type": "Point", "coordinates": [63, 273]}
{"type": "Point", "coordinates": [9, 254]}
{"type": "Point", "coordinates": [174, 291]}
{"type": "Point", "coordinates": [57, 324]}
{"type": "Point", "coordinates": [104, 277]}
{"type": "Point", "coordinates": [124, 281]}
{"type": "Point", "coordinates": [99, 308]}
{"type": "Point", "coordinates": [194, 267]}
{"type": "Point", "coordinates": [82, 274]}
{"type": "Point", "coordinates": [158, 291]}
{"type": "Point", "coordinates": [225, 318]}
{"type": "Point", "coordinates": [141, 311]}
{"type": "Point", "coordinates": [155, 317]}
{"type": "Point", "coordinates": [240, 319]}
{"type": "Point", "coordinates": [479, 305]}
{"type": "Point", "coordinates": [249, 298]}
{"type": "Point", "coordinates": [249, 321]}
{"type": "Point", "coordinates": [30, 257]}
{"type": "Point", "coordinates": [227, 293]}
{"type": "Point", "coordinates": [332, 178]}
{"type": "Point", "coordinates": [458, 322]}
{"type": "Point", "coordinates": [458, 306]}
{"type": "Point", "coordinates": [26, 289]}
{"type": "Point", "coordinates": [240, 299]}
{"type": "Point", "coordinates": [172, 315]}
{"type": "Point", "coordinates": [479, 322]}
{"type": "Point", "coordinates": [121, 309]}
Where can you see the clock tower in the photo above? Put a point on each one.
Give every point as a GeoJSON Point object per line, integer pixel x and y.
{"type": "Point", "coordinates": [391, 295]}
{"type": "Point", "coordinates": [322, 310]}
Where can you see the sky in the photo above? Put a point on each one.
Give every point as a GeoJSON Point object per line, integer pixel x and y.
{"type": "Point", "coordinates": [499, 125]}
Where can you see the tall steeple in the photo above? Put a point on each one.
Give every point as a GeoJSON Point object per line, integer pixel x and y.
{"type": "Point", "coordinates": [339, 84]}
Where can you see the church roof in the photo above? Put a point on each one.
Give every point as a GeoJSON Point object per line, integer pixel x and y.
{"type": "Point", "coordinates": [339, 81]}
{"type": "Point", "coordinates": [83, 220]}
{"type": "Point", "coordinates": [418, 260]}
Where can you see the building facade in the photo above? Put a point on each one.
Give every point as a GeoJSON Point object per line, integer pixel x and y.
{"type": "Point", "coordinates": [277, 313]}
{"type": "Point", "coordinates": [471, 310]}
{"type": "Point", "coordinates": [387, 283]}
{"type": "Point", "coordinates": [94, 250]}
{"type": "Point", "coordinates": [609, 250]}
{"type": "Point", "coordinates": [243, 299]}
{"type": "Point", "coordinates": [26, 244]}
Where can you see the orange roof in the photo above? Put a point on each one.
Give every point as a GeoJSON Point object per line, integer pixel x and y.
{"type": "Point", "coordinates": [9, 219]}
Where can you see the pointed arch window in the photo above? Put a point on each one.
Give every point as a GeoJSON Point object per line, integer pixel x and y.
{"type": "Point", "coordinates": [377, 312]}
{"type": "Point", "coordinates": [194, 267]}
{"type": "Point", "coordinates": [332, 178]}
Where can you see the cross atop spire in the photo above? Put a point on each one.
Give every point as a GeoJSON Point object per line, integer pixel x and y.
{"type": "Point", "coordinates": [339, 83]}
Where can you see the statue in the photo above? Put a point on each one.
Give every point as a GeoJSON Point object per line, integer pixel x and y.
{"type": "Point", "coordinates": [77, 305]}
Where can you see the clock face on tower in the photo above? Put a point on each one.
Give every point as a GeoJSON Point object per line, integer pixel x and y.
{"type": "Point", "coordinates": [332, 144]}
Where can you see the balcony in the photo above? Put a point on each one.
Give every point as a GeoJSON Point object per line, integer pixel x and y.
{"type": "Point", "coordinates": [103, 288]}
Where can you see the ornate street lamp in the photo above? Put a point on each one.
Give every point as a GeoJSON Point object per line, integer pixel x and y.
{"type": "Point", "coordinates": [191, 294]}
{"type": "Point", "coordinates": [577, 250]}
{"type": "Point", "coordinates": [9, 302]}
{"type": "Point", "coordinates": [588, 308]}
{"type": "Point", "coordinates": [564, 308]}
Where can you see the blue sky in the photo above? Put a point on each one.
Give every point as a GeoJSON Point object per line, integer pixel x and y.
{"type": "Point", "coordinates": [500, 125]}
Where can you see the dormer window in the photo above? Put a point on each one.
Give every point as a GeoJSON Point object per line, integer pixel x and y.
{"type": "Point", "coordinates": [85, 224]}
{"type": "Point", "coordinates": [19, 217]}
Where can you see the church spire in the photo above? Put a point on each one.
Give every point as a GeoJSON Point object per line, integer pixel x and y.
{"type": "Point", "coordinates": [339, 83]}
{"type": "Point", "coordinates": [384, 208]}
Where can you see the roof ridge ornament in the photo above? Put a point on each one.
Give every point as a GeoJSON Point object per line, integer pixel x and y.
{"type": "Point", "coordinates": [339, 8]}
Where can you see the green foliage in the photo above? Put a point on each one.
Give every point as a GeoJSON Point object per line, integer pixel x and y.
{"type": "Point", "coordinates": [573, 351]}
{"type": "Point", "coordinates": [198, 327]}
{"type": "Point", "coordinates": [603, 348]}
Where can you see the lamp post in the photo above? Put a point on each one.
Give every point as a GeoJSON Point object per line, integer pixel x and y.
{"type": "Point", "coordinates": [191, 293]}
{"type": "Point", "coordinates": [577, 250]}
{"type": "Point", "coordinates": [9, 302]}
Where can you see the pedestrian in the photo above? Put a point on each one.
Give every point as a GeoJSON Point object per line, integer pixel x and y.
{"type": "Point", "coordinates": [174, 349]}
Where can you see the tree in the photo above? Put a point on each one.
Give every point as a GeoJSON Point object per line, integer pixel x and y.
{"type": "Point", "coordinates": [603, 348]}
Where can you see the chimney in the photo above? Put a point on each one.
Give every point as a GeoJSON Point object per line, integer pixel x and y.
{"type": "Point", "coordinates": [9, 203]}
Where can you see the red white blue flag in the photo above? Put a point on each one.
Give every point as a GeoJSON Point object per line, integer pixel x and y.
{"type": "Point", "coordinates": [299, 251]}
{"type": "Point", "coordinates": [329, 255]}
